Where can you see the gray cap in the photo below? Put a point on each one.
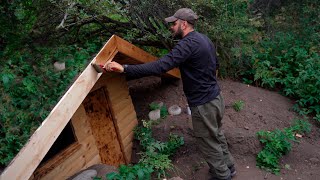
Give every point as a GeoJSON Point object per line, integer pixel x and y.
{"type": "Point", "coordinates": [183, 14]}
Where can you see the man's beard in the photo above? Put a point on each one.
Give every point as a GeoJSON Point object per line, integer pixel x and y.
{"type": "Point", "coordinates": [178, 34]}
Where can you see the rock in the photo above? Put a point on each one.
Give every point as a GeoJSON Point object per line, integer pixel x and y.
{"type": "Point", "coordinates": [86, 175]}
{"type": "Point", "coordinates": [246, 127]}
{"type": "Point", "coordinates": [154, 115]}
{"type": "Point", "coordinates": [59, 66]}
{"type": "Point", "coordinates": [174, 110]}
{"type": "Point", "coordinates": [188, 110]}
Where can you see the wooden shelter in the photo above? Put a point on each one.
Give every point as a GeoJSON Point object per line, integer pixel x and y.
{"type": "Point", "coordinates": [91, 124]}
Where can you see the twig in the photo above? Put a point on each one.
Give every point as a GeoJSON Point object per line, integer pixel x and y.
{"type": "Point", "coordinates": [61, 25]}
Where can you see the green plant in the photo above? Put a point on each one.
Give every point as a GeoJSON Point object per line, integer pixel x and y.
{"type": "Point", "coordinates": [317, 118]}
{"type": "Point", "coordinates": [157, 161]}
{"type": "Point", "coordinates": [247, 81]}
{"type": "Point", "coordinates": [131, 172]}
{"type": "Point", "coordinates": [286, 57]}
{"type": "Point", "coordinates": [154, 106]}
{"type": "Point", "coordinates": [154, 158]}
{"type": "Point", "coordinates": [277, 143]}
{"type": "Point", "coordinates": [238, 105]}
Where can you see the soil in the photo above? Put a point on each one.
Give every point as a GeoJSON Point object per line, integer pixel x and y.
{"type": "Point", "coordinates": [263, 110]}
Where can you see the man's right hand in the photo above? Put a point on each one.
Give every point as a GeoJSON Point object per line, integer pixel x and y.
{"type": "Point", "coordinates": [113, 66]}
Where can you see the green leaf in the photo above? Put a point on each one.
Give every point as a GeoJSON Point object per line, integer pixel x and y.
{"type": "Point", "coordinates": [140, 174]}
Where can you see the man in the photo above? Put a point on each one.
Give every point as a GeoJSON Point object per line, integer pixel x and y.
{"type": "Point", "coordinates": [195, 55]}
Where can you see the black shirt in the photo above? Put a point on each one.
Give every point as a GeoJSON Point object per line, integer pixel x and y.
{"type": "Point", "coordinates": [196, 58]}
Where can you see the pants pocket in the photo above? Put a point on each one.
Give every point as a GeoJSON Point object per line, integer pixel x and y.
{"type": "Point", "coordinates": [200, 129]}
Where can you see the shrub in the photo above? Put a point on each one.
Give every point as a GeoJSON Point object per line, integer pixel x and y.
{"type": "Point", "coordinates": [238, 105]}
{"type": "Point", "coordinates": [154, 158]}
{"type": "Point", "coordinates": [278, 143]}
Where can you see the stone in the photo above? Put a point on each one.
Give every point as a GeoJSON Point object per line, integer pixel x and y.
{"type": "Point", "coordinates": [154, 115]}
{"type": "Point", "coordinates": [86, 175]}
{"type": "Point", "coordinates": [59, 66]}
{"type": "Point", "coordinates": [188, 110]}
{"type": "Point", "coordinates": [174, 110]}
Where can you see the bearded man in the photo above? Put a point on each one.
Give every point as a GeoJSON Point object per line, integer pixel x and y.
{"type": "Point", "coordinates": [195, 56]}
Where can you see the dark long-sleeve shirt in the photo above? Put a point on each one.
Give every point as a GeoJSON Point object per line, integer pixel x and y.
{"type": "Point", "coordinates": [195, 56]}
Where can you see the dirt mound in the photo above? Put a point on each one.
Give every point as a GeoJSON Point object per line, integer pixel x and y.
{"type": "Point", "coordinates": [263, 110]}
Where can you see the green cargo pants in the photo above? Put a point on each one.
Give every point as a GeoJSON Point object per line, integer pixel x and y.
{"type": "Point", "coordinates": [206, 120]}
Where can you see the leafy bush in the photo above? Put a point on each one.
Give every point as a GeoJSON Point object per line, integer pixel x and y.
{"type": "Point", "coordinates": [277, 143]}
{"type": "Point", "coordinates": [287, 57]}
{"type": "Point", "coordinates": [30, 87]}
{"type": "Point", "coordinates": [154, 158]}
{"type": "Point", "coordinates": [233, 31]}
{"type": "Point", "coordinates": [293, 66]}
{"type": "Point", "coordinates": [139, 171]}
{"type": "Point", "coordinates": [238, 105]}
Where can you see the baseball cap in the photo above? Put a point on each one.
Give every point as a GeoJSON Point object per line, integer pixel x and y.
{"type": "Point", "coordinates": [183, 14]}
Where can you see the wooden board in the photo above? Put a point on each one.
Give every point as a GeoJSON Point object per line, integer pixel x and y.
{"type": "Point", "coordinates": [85, 146]}
{"type": "Point", "coordinates": [72, 164]}
{"type": "Point", "coordinates": [136, 53]}
{"type": "Point", "coordinates": [81, 125]}
{"type": "Point", "coordinates": [103, 128]}
{"type": "Point", "coordinates": [124, 114]}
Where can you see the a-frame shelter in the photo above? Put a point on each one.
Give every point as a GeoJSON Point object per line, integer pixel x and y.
{"type": "Point", "coordinates": [94, 121]}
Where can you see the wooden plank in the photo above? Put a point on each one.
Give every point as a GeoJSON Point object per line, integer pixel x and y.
{"type": "Point", "coordinates": [108, 51]}
{"type": "Point", "coordinates": [136, 53]}
{"type": "Point", "coordinates": [93, 161]}
{"type": "Point", "coordinates": [128, 151]}
{"type": "Point", "coordinates": [128, 129]}
{"type": "Point", "coordinates": [120, 103]}
{"type": "Point", "coordinates": [69, 158]}
{"type": "Point", "coordinates": [127, 140]}
{"type": "Point", "coordinates": [103, 128]}
{"type": "Point", "coordinates": [56, 161]}
{"type": "Point", "coordinates": [122, 93]}
{"type": "Point", "coordinates": [121, 82]}
{"type": "Point", "coordinates": [81, 124]}
{"type": "Point", "coordinates": [127, 112]}
{"type": "Point", "coordinates": [79, 160]}
{"type": "Point", "coordinates": [124, 122]}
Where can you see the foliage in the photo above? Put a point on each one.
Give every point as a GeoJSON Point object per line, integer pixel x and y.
{"type": "Point", "coordinates": [229, 25]}
{"type": "Point", "coordinates": [317, 118]}
{"type": "Point", "coordinates": [154, 158]}
{"type": "Point", "coordinates": [288, 59]}
{"type": "Point", "coordinates": [31, 87]}
{"type": "Point", "coordinates": [139, 171]}
{"type": "Point", "coordinates": [277, 143]}
{"type": "Point", "coordinates": [292, 65]}
{"type": "Point", "coordinates": [238, 105]}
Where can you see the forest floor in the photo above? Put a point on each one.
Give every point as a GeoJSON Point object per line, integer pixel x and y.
{"type": "Point", "coordinates": [263, 110]}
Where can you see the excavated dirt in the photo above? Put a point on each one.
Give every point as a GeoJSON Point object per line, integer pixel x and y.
{"type": "Point", "coordinates": [263, 110]}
